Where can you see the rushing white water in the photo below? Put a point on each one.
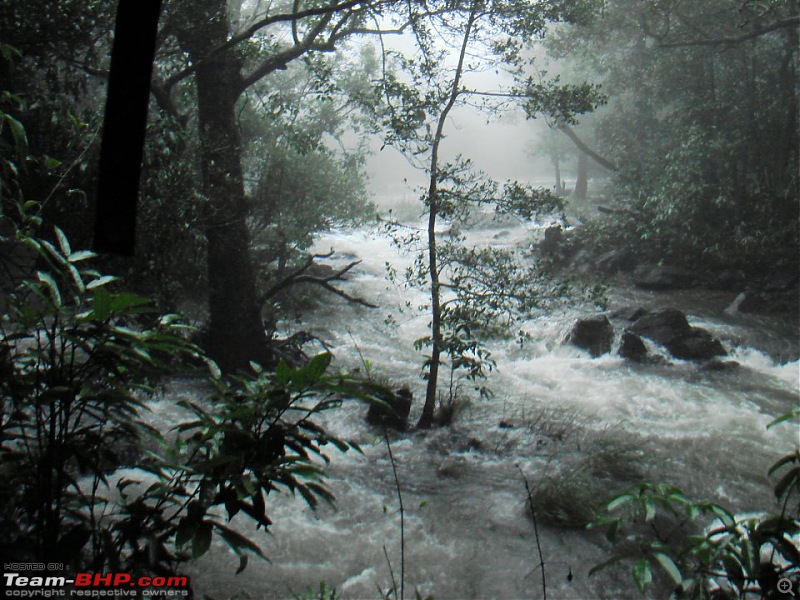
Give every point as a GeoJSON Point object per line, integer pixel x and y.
{"type": "Point", "coordinates": [467, 531]}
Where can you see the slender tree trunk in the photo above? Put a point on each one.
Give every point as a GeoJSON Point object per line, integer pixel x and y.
{"type": "Point", "coordinates": [557, 166]}
{"type": "Point", "coordinates": [235, 333]}
{"type": "Point", "coordinates": [582, 181]}
{"type": "Point", "coordinates": [426, 419]}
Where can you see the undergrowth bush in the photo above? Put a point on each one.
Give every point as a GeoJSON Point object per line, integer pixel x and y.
{"type": "Point", "coordinates": [701, 549]}
{"type": "Point", "coordinates": [79, 361]}
{"type": "Point", "coordinates": [85, 480]}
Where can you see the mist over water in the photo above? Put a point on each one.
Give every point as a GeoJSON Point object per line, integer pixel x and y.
{"type": "Point", "coordinates": [468, 534]}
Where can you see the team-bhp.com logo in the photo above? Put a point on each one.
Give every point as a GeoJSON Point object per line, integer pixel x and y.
{"type": "Point", "coordinates": [28, 585]}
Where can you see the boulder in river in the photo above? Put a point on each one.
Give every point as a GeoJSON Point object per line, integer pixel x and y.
{"type": "Point", "coordinates": [395, 410]}
{"type": "Point", "coordinates": [594, 334]}
{"type": "Point", "coordinates": [655, 277]}
{"type": "Point", "coordinates": [632, 347]}
{"type": "Point", "coordinates": [698, 344]}
{"type": "Point", "coordinates": [670, 328]}
{"type": "Point", "coordinates": [629, 313]}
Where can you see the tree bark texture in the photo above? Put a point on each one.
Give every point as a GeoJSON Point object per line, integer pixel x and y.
{"type": "Point", "coordinates": [235, 333]}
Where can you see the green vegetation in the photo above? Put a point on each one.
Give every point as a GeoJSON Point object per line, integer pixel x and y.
{"type": "Point", "coordinates": [701, 128]}
{"type": "Point", "coordinates": [702, 549]}
{"type": "Point", "coordinates": [261, 119]}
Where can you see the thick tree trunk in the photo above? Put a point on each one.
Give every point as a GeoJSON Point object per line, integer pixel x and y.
{"type": "Point", "coordinates": [235, 333]}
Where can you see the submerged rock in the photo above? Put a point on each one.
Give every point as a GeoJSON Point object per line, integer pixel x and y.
{"type": "Point", "coordinates": [719, 366]}
{"type": "Point", "coordinates": [593, 334]}
{"type": "Point", "coordinates": [670, 328]}
{"type": "Point", "coordinates": [395, 412]}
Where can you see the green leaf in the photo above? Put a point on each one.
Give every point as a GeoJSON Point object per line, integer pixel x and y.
{"type": "Point", "coordinates": [76, 277]}
{"type": "Point", "coordinates": [243, 560]}
{"type": "Point", "coordinates": [791, 479]}
{"type": "Point", "coordinates": [63, 243]}
{"type": "Point", "coordinates": [318, 365]}
{"type": "Point", "coordinates": [201, 541]}
{"type": "Point", "coordinates": [80, 255]}
{"type": "Point", "coordinates": [185, 532]}
{"type": "Point", "coordinates": [606, 563]}
{"type": "Point", "coordinates": [51, 163]}
{"type": "Point", "coordinates": [18, 133]}
{"type": "Point", "coordinates": [619, 501]}
{"type": "Point", "coordinates": [649, 510]}
{"type": "Point", "coordinates": [642, 574]}
{"type": "Point", "coordinates": [794, 413]}
{"type": "Point", "coordinates": [100, 281]}
{"type": "Point", "coordinates": [52, 286]}
{"type": "Point", "coordinates": [669, 566]}
{"type": "Point", "coordinates": [237, 542]}
{"type": "Point", "coordinates": [784, 460]}
{"type": "Point", "coordinates": [101, 304]}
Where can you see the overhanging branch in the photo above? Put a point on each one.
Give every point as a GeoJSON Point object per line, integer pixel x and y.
{"type": "Point", "coordinates": [301, 275]}
{"type": "Point", "coordinates": [586, 149]}
{"type": "Point", "coordinates": [737, 39]}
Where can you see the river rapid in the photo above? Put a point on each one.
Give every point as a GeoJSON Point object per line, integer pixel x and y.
{"type": "Point", "coordinates": [557, 415]}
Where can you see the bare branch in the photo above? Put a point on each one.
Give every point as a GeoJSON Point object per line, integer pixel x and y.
{"type": "Point", "coordinates": [288, 17]}
{"type": "Point", "coordinates": [738, 39]}
{"type": "Point", "coordinates": [300, 275]}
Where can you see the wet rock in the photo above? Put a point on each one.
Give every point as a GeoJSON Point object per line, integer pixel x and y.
{"type": "Point", "coordinates": [632, 347]}
{"type": "Point", "coordinates": [720, 366]}
{"type": "Point", "coordinates": [662, 326]}
{"type": "Point", "coordinates": [502, 235]}
{"type": "Point", "coordinates": [593, 334]}
{"type": "Point", "coordinates": [614, 261]}
{"type": "Point", "coordinates": [698, 344]}
{"type": "Point", "coordinates": [394, 414]}
{"type": "Point", "coordinates": [629, 313]}
{"type": "Point", "coordinates": [553, 240]}
{"type": "Point", "coordinates": [655, 277]}
{"type": "Point", "coordinates": [670, 328]}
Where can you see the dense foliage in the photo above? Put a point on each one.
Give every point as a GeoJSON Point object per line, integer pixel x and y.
{"type": "Point", "coordinates": [703, 549]}
{"type": "Point", "coordinates": [701, 125]}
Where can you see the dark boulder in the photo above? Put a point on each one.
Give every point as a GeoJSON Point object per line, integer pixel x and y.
{"type": "Point", "coordinates": [720, 366]}
{"type": "Point", "coordinates": [632, 347]}
{"type": "Point", "coordinates": [670, 328]}
{"type": "Point", "coordinates": [654, 277]}
{"type": "Point", "coordinates": [593, 334]}
{"type": "Point", "coordinates": [662, 326]}
{"type": "Point", "coordinates": [553, 240]}
{"type": "Point", "coordinates": [394, 411]}
{"type": "Point", "coordinates": [698, 344]}
{"type": "Point", "coordinates": [629, 313]}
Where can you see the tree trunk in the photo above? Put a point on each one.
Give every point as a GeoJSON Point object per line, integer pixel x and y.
{"type": "Point", "coordinates": [582, 181]}
{"type": "Point", "coordinates": [426, 419]}
{"type": "Point", "coordinates": [557, 165]}
{"type": "Point", "coordinates": [235, 333]}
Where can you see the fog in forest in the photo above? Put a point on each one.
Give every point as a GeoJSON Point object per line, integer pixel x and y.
{"type": "Point", "coordinates": [383, 299]}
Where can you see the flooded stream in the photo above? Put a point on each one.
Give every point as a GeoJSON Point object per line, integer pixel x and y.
{"type": "Point", "coordinates": [468, 533]}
